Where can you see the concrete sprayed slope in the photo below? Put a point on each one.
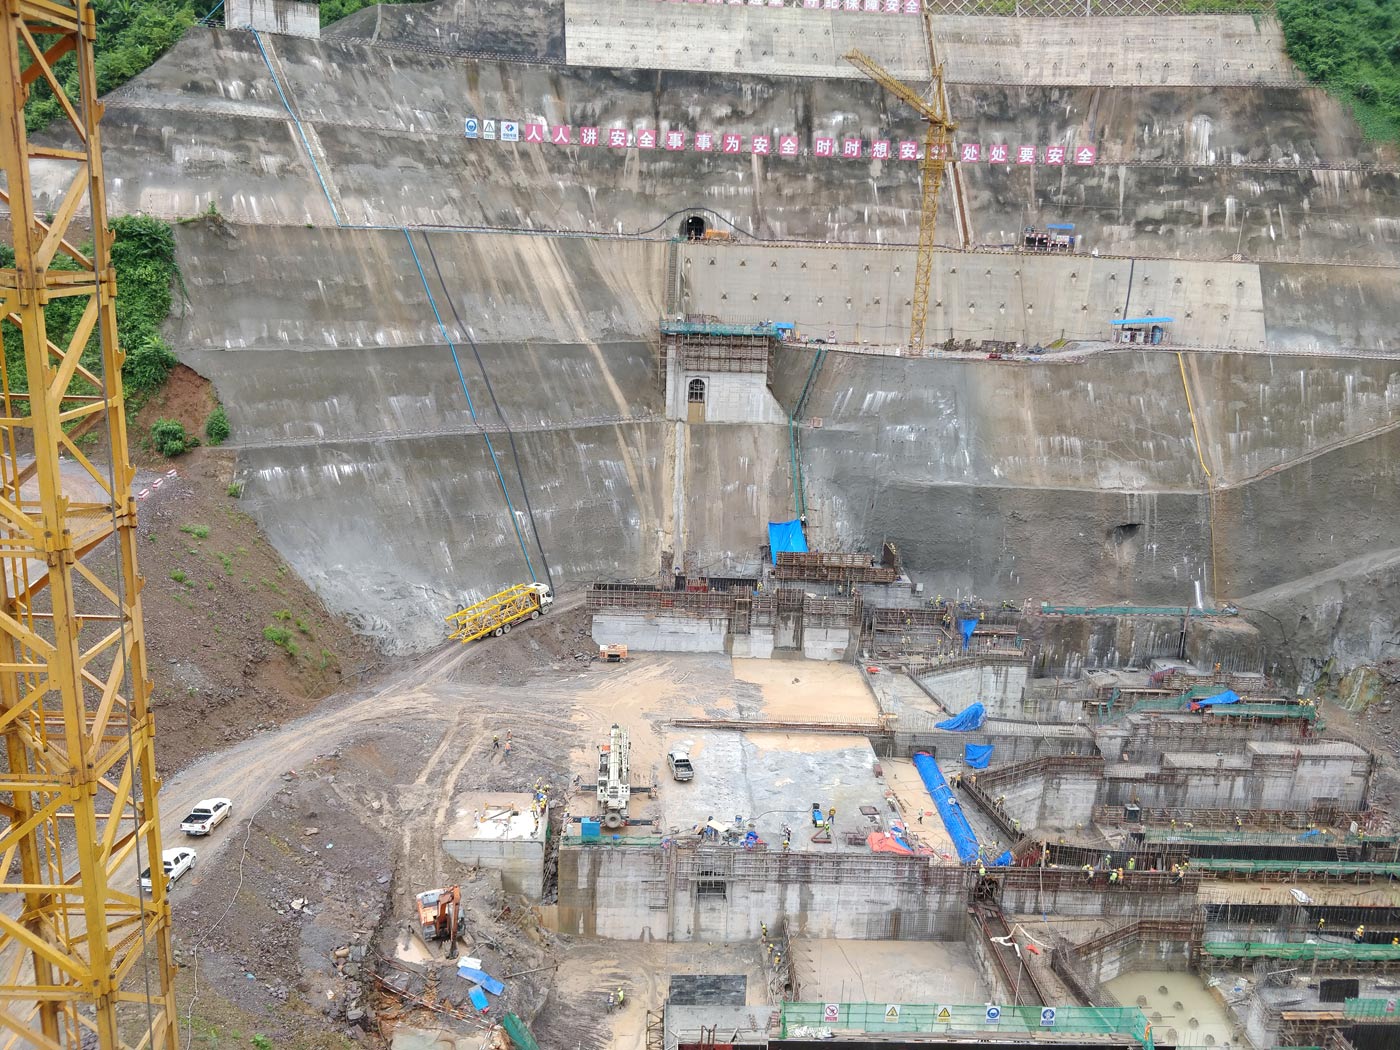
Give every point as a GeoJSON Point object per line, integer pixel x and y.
{"type": "Point", "coordinates": [395, 534]}
{"type": "Point", "coordinates": [360, 457]}
{"type": "Point", "coordinates": [535, 29]}
{"type": "Point", "coordinates": [796, 41]}
{"type": "Point", "coordinates": [1086, 481]}
{"type": "Point", "coordinates": [206, 125]}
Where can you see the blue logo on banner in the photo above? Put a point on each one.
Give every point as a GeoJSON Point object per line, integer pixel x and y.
{"type": "Point", "coordinates": [1047, 1017]}
{"type": "Point", "coordinates": [993, 1014]}
{"type": "Point", "coordinates": [472, 127]}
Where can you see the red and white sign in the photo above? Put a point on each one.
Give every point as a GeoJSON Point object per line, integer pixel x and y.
{"type": "Point", "coordinates": [789, 146]}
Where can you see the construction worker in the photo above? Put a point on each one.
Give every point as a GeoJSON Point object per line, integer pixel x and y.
{"type": "Point", "coordinates": [1121, 876]}
{"type": "Point", "coordinates": [621, 997]}
{"type": "Point", "coordinates": [495, 743]}
{"type": "Point", "coordinates": [1088, 873]}
{"type": "Point", "coordinates": [1132, 863]}
{"type": "Point", "coordinates": [1321, 925]}
{"type": "Point", "coordinates": [506, 753]}
{"type": "Point", "coordinates": [1113, 876]}
{"type": "Point", "coordinates": [981, 870]}
{"type": "Point", "coordinates": [1239, 824]}
{"type": "Point", "coordinates": [1359, 934]}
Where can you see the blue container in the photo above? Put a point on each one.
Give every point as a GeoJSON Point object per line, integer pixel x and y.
{"type": "Point", "coordinates": [590, 830]}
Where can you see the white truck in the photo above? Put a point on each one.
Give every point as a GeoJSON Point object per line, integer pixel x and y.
{"type": "Point", "coordinates": [678, 758]}
{"type": "Point", "coordinates": [497, 614]}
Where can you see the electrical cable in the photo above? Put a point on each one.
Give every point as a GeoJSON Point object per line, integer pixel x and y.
{"type": "Point", "coordinates": [471, 407]}
{"type": "Point", "coordinates": [491, 392]}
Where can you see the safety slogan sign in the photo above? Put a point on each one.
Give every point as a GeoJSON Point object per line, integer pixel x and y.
{"type": "Point", "coordinates": [677, 140]}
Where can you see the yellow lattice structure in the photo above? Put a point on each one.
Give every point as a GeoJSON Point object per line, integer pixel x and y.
{"type": "Point", "coordinates": [85, 961]}
{"type": "Point", "coordinates": [937, 153]}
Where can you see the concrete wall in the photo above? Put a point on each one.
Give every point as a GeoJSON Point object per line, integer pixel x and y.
{"type": "Point", "coordinates": [1204, 782]}
{"type": "Point", "coordinates": [997, 686]}
{"type": "Point", "coordinates": [794, 41]}
{"type": "Point", "coordinates": [729, 397]}
{"type": "Point", "coordinates": [1134, 955]}
{"type": "Point", "coordinates": [287, 17]}
{"type": "Point", "coordinates": [628, 894]}
{"type": "Point", "coordinates": [520, 863]}
{"type": "Point", "coordinates": [665, 634]}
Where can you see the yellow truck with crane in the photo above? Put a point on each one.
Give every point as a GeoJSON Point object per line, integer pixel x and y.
{"type": "Point", "coordinates": [497, 614]}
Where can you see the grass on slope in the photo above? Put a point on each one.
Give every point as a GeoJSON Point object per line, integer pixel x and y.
{"type": "Point", "coordinates": [1351, 47]}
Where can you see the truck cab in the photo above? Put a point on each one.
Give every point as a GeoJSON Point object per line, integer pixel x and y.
{"type": "Point", "coordinates": [679, 760]}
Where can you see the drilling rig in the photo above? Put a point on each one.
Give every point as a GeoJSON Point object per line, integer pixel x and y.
{"type": "Point", "coordinates": [614, 783]}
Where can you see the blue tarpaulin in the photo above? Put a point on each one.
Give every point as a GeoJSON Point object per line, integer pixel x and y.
{"type": "Point", "coordinates": [959, 830]}
{"type": "Point", "coordinates": [1004, 861]}
{"type": "Point", "coordinates": [977, 755]}
{"type": "Point", "coordinates": [481, 977]}
{"type": "Point", "coordinates": [1227, 697]}
{"type": "Point", "coordinates": [786, 536]}
{"type": "Point", "coordinates": [966, 720]}
{"type": "Point", "coordinates": [478, 998]}
{"type": "Point", "coordinates": [966, 627]}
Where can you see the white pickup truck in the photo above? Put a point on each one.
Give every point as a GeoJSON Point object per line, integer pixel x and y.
{"type": "Point", "coordinates": [206, 816]}
{"type": "Point", "coordinates": [679, 760]}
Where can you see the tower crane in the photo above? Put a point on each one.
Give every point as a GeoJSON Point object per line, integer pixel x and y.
{"type": "Point", "coordinates": [85, 956]}
{"type": "Point", "coordinates": [937, 154]}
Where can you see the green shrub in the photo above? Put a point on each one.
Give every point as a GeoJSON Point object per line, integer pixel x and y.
{"type": "Point", "coordinates": [148, 364]}
{"type": "Point", "coordinates": [1352, 47]}
{"type": "Point", "coordinates": [235, 490]}
{"type": "Point", "coordinates": [168, 437]}
{"type": "Point", "coordinates": [179, 576]}
{"type": "Point", "coordinates": [199, 532]}
{"type": "Point", "coordinates": [282, 638]}
{"type": "Point", "coordinates": [216, 428]}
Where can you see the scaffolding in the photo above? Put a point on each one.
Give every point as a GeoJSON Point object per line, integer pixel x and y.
{"type": "Point", "coordinates": [1321, 815]}
{"type": "Point", "coordinates": [721, 348]}
{"type": "Point", "coordinates": [884, 1018]}
{"type": "Point", "coordinates": [834, 567]}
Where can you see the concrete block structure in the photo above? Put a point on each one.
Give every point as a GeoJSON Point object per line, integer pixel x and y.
{"type": "Point", "coordinates": [504, 833]}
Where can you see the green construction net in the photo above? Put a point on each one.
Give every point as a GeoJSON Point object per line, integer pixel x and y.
{"type": "Point", "coordinates": [1318, 950]}
{"type": "Point", "coordinates": [799, 1019]}
{"type": "Point", "coordinates": [1326, 839]}
{"type": "Point", "coordinates": [1376, 869]}
{"type": "Point", "coordinates": [1371, 1009]}
{"type": "Point", "coordinates": [520, 1036]}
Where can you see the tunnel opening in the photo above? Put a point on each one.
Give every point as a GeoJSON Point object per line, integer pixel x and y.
{"type": "Point", "coordinates": [1126, 533]}
{"type": "Point", "coordinates": [693, 227]}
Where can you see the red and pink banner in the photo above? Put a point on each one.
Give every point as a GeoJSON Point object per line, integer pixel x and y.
{"type": "Point", "coordinates": [782, 145]}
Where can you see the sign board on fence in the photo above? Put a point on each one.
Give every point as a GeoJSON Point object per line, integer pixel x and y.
{"type": "Point", "coordinates": [993, 1014]}
{"type": "Point", "coordinates": [510, 131]}
{"type": "Point", "coordinates": [892, 1013]}
{"type": "Point", "coordinates": [831, 1013]}
{"type": "Point", "coordinates": [1047, 1017]}
{"type": "Point", "coordinates": [945, 1016]}
{"type": "Point", "coordinates": [488, 129]}
{"type": "Point", "coordinates": [473, 127]}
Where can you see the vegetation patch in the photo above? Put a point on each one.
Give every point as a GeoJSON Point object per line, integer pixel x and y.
{"type": "Point", "coordinates": [1351, 47]}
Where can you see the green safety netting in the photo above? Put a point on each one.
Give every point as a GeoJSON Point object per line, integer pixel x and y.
{"type": "Point", "coordinates": [1301, 867]}
{"type": "Point", "coordinates": [1322, 951]}
{"type": "Point", "coordinates": [519, 1034]}
{"type": "Point", "coordinates": [875, 1018]}
{"type": "Point", "coordinates": [1264, 838]}
{"type": "Point", "coordinates": [1371, 1009]}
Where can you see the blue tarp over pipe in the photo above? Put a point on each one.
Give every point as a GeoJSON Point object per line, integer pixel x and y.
{"type": "Point", "coordinates": [964, 626]}
{"type": "Point", "coordinates": [1227, 697]}
{"type": "Point", "coordinates": [966, 720]}
{"type": "Point", "coordinates": [977, 756]}
{"type": "Point", "coordinates": [786, 536]}
{"type": "Point", "coordinates": [964, 841]}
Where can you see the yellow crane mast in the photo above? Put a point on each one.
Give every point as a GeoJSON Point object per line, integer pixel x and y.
{"type": "Point", "coordinates": [85, 958]}
{"type": "Point", "coordinates": [937, 152]}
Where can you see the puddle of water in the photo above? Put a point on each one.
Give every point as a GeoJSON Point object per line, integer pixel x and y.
{"type": "Point", "coordinates": [1179, 1007]}
{"type": "Point", "coordinates": [411, 949]}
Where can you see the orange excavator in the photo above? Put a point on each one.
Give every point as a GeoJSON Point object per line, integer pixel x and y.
{"type": "Point", "coordinates": [440, 913]}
